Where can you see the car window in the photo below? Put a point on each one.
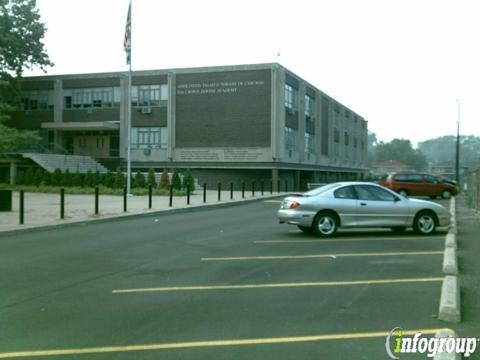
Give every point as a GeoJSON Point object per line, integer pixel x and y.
{"type": "Point", "coordinates": [321, 189]}
{"type": "Point", "coordinates": [368, 192]}
{"type": "Point", "coordinates": [401, 177]}
{"type": "Point", "coordinates": [415, 178]}
{"type": "Point", "coordinates": [431, 179]}
{"type": "Point", "coordinates": [347, 192]}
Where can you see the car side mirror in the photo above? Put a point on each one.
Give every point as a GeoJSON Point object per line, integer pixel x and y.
{"type": "Point", "coordinates": [397, 199]}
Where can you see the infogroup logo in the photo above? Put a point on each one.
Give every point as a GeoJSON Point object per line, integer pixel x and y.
{"type": "Point", "coordinates": [430, 346]}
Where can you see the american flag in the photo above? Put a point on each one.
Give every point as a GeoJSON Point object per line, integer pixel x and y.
{"type": "Point", "coordinates": [127, 42]}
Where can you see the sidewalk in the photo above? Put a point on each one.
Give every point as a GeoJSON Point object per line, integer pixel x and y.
{"type": "Point", "coordinates": [468, 225]}
{"type": "Point", "coordinates": [44, 209]}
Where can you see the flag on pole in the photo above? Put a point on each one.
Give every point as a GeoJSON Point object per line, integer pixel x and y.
{"type": "Point", "coordinates": [127, 42]}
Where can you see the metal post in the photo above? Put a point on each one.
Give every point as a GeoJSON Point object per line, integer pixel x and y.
{"type": "Point", "coordinates": [22, 207]}
{"type": "Point", "coordinates": [271, 187]}
{"type": "Point", "coordinates": [188, 194]}
{"type": "Point", "coordinates": [62, 203]}
{"type": "Point", "coordinates": [243, 190]}
{"type": "Point", "coordinates": [204, 193]}
{"type": "Point", "coordinates": [170, 201]}
{"type": "Point", "coordinates": [278, 186]}
{"type": "Point", "coordinates": [261, 187]}
{"type": "Point", "coordinates": [124, 199]}
{"type": "Point", "coordinates": [286, 185]}
{"type": "Point", "coordinates": [219, 191]}
{"type": "Point", "coordinates": [96, 200]}
{"type": "Point", "coordinates": [150, 196]}
{"type": "Point", "coordinates": [253, 188]}
{"type": "Point", "coordinates": [231, 191]}
{"type": "Point", "coordinates": [457, 148]}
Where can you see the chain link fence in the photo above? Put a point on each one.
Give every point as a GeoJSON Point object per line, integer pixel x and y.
{"type": "Point", "coordinates": [472, 189]}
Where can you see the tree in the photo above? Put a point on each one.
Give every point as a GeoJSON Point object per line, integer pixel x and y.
{"type": "Point", "coordinates": [151, 178]}
{"type": "Point", "coordinates": [21, 47]}
{"type": "Point", "coordinates": [119, 179]}
{"type": "Point", "coordinates": [401, 150]}
{"type": "Point", "coordinates": [139, 181]}
{"type": "Point", "coordinates": [164, 180]}
{"type": "Point", "coordinates": [188, 181]}
{"type": "Point", "coordinates": [176, 181]}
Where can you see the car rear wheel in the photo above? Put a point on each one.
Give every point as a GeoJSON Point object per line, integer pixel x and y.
{"type": "Point", "coordinates": [446, 194]}
{"type": "Point", "coordinates": [403, 192]}
{"type": "Point", "coordinates": [325, 224]}
{"type": "Point", "coordinates": [424, 223]}
{"type": "Point", "coordinates": [305, 229]}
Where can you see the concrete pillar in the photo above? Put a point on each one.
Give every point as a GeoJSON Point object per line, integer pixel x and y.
{"type": "Point", "coordinates": [13, 173]}
{"type": "Point", "coordinates": [171, 115]}
{"type": "Point", "coordinates": [275, 179]}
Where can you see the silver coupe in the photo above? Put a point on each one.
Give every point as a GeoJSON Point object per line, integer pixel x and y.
{"type": "Point", "coordinates": [359, 204]}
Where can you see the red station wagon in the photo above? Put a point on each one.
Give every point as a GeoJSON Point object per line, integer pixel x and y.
{"type": "Point", "coordinates": [415, 184]}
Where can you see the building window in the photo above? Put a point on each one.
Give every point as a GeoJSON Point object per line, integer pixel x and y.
{"type": "Point", "coordinates": [37, 100]}
{"type": "Point", "coordinates": [149, 138]}
{"type": "Point", "coordinates": [355, 142]}
{"type": "Point", "coordinates": [291, 99]}
{"type": "Point", "coordinates": [309, 108]}
{"type": "Point", "coordinates": [309, 144]}
{"type": "Point", "coordinates": [290, 139]}
{"type": "Point", "coordinates": [336, 135]}
{"type": "Point", "coordinates": [149, 95]}
{"type": "Point", "coordinates": [347, 139]}
{"type": "Point", "coordinates": [101, 97]}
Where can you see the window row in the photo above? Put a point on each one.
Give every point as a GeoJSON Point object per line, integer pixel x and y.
{"type": "Point", "coordinates": [291, 98]}
{"type": "Point", "coordinates": [149, 138]}
{"type": "Point", "coordinates": [101, 97]}
{"type": "Point", "coordinates": [37, 100]}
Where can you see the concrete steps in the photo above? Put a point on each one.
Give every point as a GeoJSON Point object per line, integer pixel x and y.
{"type": "Point", "coordinates": [74, 163]}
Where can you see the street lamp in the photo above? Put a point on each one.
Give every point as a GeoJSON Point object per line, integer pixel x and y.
{"type": "Point", "coordinates": [457, 152]}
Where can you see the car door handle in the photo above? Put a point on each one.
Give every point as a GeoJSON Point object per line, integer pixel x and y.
{"type": "Point", "coordinates": [363, 204]}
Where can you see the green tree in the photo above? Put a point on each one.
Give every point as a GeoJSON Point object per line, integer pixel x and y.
{"type": "Point", "coordinates": [151, 178]}
{"type": "Point", "coordinates": [38, 176]}
{"type": "Point", "coordinates": [188, 181]}
{"type": "Point", "coordinates": [164, 180]}
{"type": "Point", "coordinates": [21, 48]}
{"type": "Point", "coordinates": [119, 179]}
{"type": "Point", "coordinates": [47, 178]}
{"type": "Point", "coordinates": [28, 177]}
{"type": "Point", "coordinates": [57, 177]}
{"type": "Point", "coordinates": [88, 179]}
{"type": "Point", "coordinates": [97, 178]}
{"type": "Point", "coordinates": [77, 180]}
{"type": "Point", "coordinates": [176, 181]}
{"type": "Point", "coordinates": [139, 180]}
{"type": "Point", "coordinates": [401, 150]}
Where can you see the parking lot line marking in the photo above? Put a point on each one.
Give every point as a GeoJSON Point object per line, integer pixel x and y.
{"type": "Point", "coordinates": [416, 238]}
{"type": "Point", "coordinates": [210, 343]}
{"type": "Point", "coordinates": [280, 285]}
{"type": "Point", "coordinates": [321, 256]}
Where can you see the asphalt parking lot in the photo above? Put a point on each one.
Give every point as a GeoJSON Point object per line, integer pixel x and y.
{"type": "Point", "coordinates": [214, 284]}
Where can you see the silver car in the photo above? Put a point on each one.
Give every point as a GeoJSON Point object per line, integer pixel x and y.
{"type": "Point", "coordinates": [360, 204]}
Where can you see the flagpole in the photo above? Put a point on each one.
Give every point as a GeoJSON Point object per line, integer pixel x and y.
{"type": "Point", "coordinates": [129, 111]}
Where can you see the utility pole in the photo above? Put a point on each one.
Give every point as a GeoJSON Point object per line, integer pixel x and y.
{"type": "Point", "coordinates": [457, 152]}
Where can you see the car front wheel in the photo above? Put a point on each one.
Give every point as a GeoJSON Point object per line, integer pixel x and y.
{"type": "Point", "coordinates": [325, 224]}
{"type": "Point", "coordinates": [424, 223]}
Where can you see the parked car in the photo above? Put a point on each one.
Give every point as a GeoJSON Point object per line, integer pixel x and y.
{"type": "Point", "coordinates": [359, 204]}
{"type": "Point", "coordinates": [416, 184]}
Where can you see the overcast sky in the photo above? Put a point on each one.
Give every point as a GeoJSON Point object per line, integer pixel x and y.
{"type": "Point", "coordinates": [402, 64]}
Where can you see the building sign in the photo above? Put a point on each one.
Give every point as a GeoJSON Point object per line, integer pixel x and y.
{"type": "Point", "coordinates": [213, 88]}
{"type": "Point", "coordinates": [229, 154]}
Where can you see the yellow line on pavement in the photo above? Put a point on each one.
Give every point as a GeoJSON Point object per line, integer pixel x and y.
{"type": "Point", "coordinates": [347, 240]}
{"type": "Point", "coordinates": [320, 256]}
{"type": "Point", "coordinates": [210, 343]}
{"type": "Point", "coordinates": [280, 285]}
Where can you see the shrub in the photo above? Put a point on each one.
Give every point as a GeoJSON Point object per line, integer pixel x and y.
{"type": "Point", "coordinates": [97, 179]}
{"type": "Point", "coordinates": [88, 179]}
{"type": "Point", "coordinates": [77, 180]}
{"type": "Point", "coordinates": [139, 180]}
{"type": "Point", "coordinates": [188, 181]}
{"type": "Point", "coordinates": [164, 180]}
{"type": "Point", "coordinates": [47, 178]}
{"type": "Point", "coordinates": [28, 177]}
{"type": "Point", "coordinates": [57, 178]}
{"type": "Point", "coordinates": [119, 179]}
{"type": "Point", "coordinates": [151, 178]}
{"type": "Point", "coordinates": [176, 181]}
{"type": "Point", "coordinates": [67, 178]}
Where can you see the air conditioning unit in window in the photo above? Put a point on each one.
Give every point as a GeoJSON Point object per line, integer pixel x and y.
{"type": "Point", "coordinates": [146, 110]}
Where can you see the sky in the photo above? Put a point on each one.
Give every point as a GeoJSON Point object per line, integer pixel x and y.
{"type": "Point", "coordinates": [406, 66]}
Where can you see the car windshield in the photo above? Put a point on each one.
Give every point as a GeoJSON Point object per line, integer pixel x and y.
{"type": "Point", "coordinates": [321, 189]}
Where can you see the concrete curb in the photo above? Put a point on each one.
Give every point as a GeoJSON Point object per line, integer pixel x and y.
{"type": "Point", "coordinates": [450, 263]}
{"type": "Point", "coordinates": [450, 300]}
{"type": "Point", "coordinates": [127, 216]}
{"type": "Point", "coordinates": [449, 309]}
{"type": "Point", "coordinates": [446, 333]}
